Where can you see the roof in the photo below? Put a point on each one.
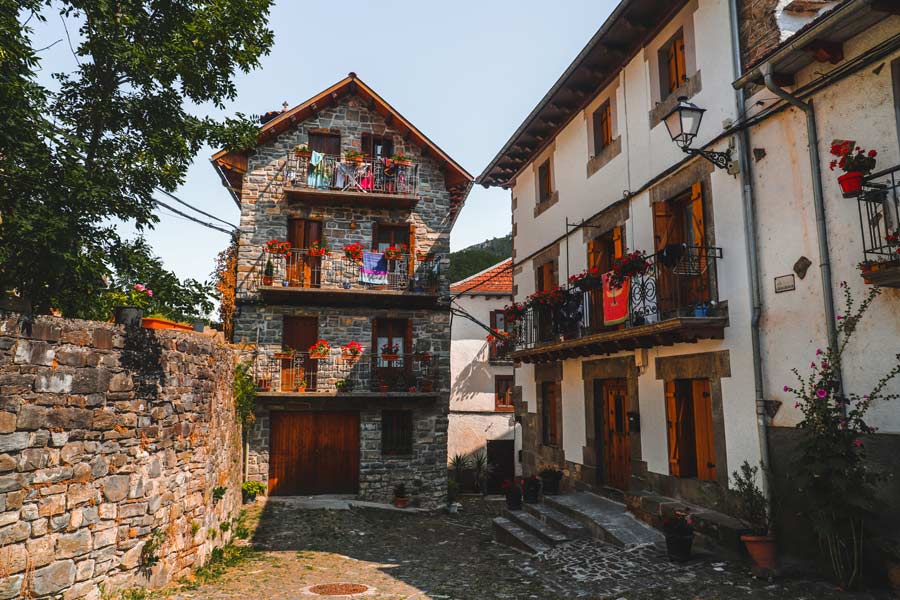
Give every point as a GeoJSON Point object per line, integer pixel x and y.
{"type": "Point", "coordinates": [232, 165]}
{"type": "Point", "coordinates": [622, 35]}
{"type": "Point", "coordinates": [495, 280]}
{"type": "Point", "coordinates": [834, 26]}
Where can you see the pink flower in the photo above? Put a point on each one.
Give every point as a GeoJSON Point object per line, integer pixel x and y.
{"type": "Point", "coordinates": [839, 317]}
{"type": "Point", "coordinates": [139, 287]}
{"type": "Point", "coordinates": [796, 405]}
{"type": "Point", "coordinates": [819, 352]}
{"type": "Point", "coordinates": [812, 365]}
{"type": "Point", "coordinates": [857, 442]}
{"type": "Point", "coordinates": [821, 393]}
{"type": "Point", "coordinates": [787, 389]}
{"type": "Point", "coordinates": [150, 293]}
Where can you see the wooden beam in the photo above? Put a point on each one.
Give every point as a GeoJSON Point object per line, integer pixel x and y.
{"type": "Point", "coordinates": [886, 6]}
{"type": "Point", "coordinates": [825, 51]}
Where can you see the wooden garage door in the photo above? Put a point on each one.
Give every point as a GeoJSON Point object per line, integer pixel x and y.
{"type": "Point", "coordinates": [314, 453]}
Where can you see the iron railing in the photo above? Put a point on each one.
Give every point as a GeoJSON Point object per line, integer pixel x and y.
{"type": "Point", "coordinates": [879, 216]}
{"type": "Point", "coordinates": [297, 372]}
{"type": "Point", "coordinates": [369, 175]}
{"type": "Point", "coordinates": [334, 270]}
{"type": "Point", "coordinates": [679, 282]}
{"type": "Point", "coordinates": [499, 349]}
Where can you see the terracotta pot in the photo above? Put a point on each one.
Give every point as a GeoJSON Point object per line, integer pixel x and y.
{"type": "Point", "coordinates": [761, 549]}
{"type": "Point", "coordinates": [851, 183]}
{"type": "Point", "coordinates": [403, 163]}
{"type": "Point", "coordinates": [319, 355]}
{"type": "Point", "coordinates": [267, 280]}
{"type": "Point", "coordinates": [302, 153]}
{"type": "Point", "coordinates": [154, 323]}
{"type": "Point", "coordinates": [400, 502]}
{"type": "Point", "coordinates": [390, 357]}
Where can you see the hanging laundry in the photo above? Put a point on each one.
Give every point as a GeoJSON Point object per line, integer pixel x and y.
{"type": "Point", "coordinates": [374, 269]}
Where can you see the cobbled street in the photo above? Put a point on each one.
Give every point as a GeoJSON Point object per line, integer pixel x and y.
{"type": "Point", "coordinates": [407, 556]}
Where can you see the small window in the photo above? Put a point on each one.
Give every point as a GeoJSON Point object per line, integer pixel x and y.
{"type": "Point", "coordinates": [602, 127]}
{"type": "Point", "coordinates": [545, 279]}
{"type": "Point", "coordinates": [391, 235]}
{"type": "Point", "coordinates": [377, 146]}
{"type": "Point", "coordinates": [396, 432]}
{"type": "Point", "coordinates": [326, 143]}
{"type": "Point", "coordinates": [549, 420]}
{"type": "Point", "coordinates": [690, 430]}
{"type": "Point", "coordinates": [503, 387]}
{"type": "Point", "coordinates": [672, 65]}
{"type": "Point", "coordinates": [545, 186]}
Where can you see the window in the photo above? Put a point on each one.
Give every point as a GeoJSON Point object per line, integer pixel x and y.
{"type": "Point", "coordinates": [396, 432]}
{"type": "Point", "coordinates": [497, 348]}
{"type": "Point", "coordinates": [602, 251]}
{"type": "Point", "coordinates": [391, 333]}
{"type": "Point", "coordinates": [549, 417]}
{"type": "Point", "coordinates": [602, 127]}
{"type": "Point", "coordinates": [689, 419]}
{"type": "Point", "coordinates": [391, 235]}
{"type": "Point", "coordinates": [545, 278]}
{"type": "Point", "coordinates": [503, 387]}
{"type": "Point", "coordinates": [545, 184]}
{"type": "Point", "coordinates": [672, 65]}
{"type": "Point", "coordinates": [377, 146]}
{"type": "Point", "coordinates": [326, 143]}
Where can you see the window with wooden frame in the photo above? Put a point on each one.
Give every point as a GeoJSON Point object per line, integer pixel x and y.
{"type": "Point", "coordinates": [386, 235]}
{"type": "Point", "coordinates": [326, 143]}
{"type": "Point", "coordinates": [544, 276]}
{"type": "Point", "coordinates": [549, 414]}
{"type": "Point", "coordinates": [497, 348]}
{"type": "Point", "coordinates": [503, 388]}
{"type": "Point", "coordinates": [396, 432]}
{"type": "Point", "coordinates": [672, 65]}
{"type": "Point", "coordinates": [602, 120]}
{"type": "Point", "coordinates": [377, 146]}
{"type": "Point", "coordinates": [690, 429]}
{"type": "Point", "coordinates": [545, 182]}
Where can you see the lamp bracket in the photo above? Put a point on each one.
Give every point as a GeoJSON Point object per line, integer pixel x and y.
{"type": "Point", "coordinates": [720, 159]}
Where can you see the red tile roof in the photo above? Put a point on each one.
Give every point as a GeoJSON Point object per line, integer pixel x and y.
{"type": "Point", "coordinates": [493, 280]}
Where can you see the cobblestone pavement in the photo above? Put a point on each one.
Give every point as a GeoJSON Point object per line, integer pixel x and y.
{"type": "Point", "coordinates": [451, 557]}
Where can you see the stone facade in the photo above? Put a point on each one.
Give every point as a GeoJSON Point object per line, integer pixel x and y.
{"type": "Point", "coordinates": [759, 30]}
{"type": "Point", "coordinates": [107, 436]}
{"type": "Point", "coordinates": [265, 214]}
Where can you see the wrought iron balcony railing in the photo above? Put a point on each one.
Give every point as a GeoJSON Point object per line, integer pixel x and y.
{"type": "Point", "coordinates": [679, 282]}
{"type": "Point", "coordinates": [879, 216]}
{"type": "Point", "coordinates": [368, 175]}
{"type": "Point", "coordinates": [297, 372]}
{"type": "Point", "coordinates": [499, 349]}
{"type": "Point", "coordinates": [335, 271]}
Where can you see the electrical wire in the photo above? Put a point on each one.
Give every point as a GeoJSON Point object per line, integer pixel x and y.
{"type": "Point", "coordinates": [190, 218]}
{"type": "Point", "coordinates": [205, 214]}
{"type": "Point", "coordinates": [474, 285]}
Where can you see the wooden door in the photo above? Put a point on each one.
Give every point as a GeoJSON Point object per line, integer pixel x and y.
{"type": "Point", "coordinates": [313, 453]}
{"type": "Point", "coordinates": [680, 234]}
{"type": "Point", "coordinates": [680, 422]}
{"type": "Point", "coordinates": [304, 270]}
{"type": "Point", "coordinates": [549, 416]}
{"type": "Point", "coordinates": [501, 455]}
{"type": "Point", "coordinates": [602, 252]}
{"type": "Point", "coordinates": [393, 372]}
{"type": "Point", "coordinates": [616, 442]}
{"type": "Point", "coordinates": [542, 314]}
{"type": "Point", "coordinates": [703, 430]}
{"type": "Point", "coordinates": [299, 333]}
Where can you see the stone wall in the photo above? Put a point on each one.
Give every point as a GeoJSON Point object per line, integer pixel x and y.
{"type": "Point", "coordinates": [107, 436]}
{"type": "Point", "coordinates": [759, 31]}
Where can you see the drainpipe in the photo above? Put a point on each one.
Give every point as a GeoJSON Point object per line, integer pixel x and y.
{"type": "Point", "coordinates": [748, 198]}
{"type": "Point", "coordinates": [818, 201]}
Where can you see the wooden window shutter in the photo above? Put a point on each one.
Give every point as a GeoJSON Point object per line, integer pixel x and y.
{"type": "Point", "coordinates": [408, 337]}
{"type": "Point", "coordinates": [545, 277]}
{"type": "Point", "coordinates": [607, 124]}
{"type": "Point", "coordinates": [703, 430]}
{"type": "Point", "coordinates": [698, 226]}
{"type": "Point", "coordinates": [375, 349]}
{"type": "Point", "coordinates": [672, 420]}
{"type": "Point", "coordinates": [618, 242]}
{"type": "Point", "coordinates": [663, 222]}
{"type": "Point", "coordinates": [412, 250]}
{"type": "Point", "coordinates": [493, 319]}
{"type": "Point", "coordinates": [673, 67]}
{"type": "Point", "coordinates": [374, 237]}
{"type": "Point", "coordinates": [680, 66]}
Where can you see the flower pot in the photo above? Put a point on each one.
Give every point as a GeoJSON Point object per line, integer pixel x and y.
{"type": "Point", "coordinates": [531, 494]}
{"type": "Point", "coordinates": [319, 355]}
{"type": "Point", "coordinates": [283, 356]}
{"type": "Point", "coordinates": [155, 323]}
{"type": "Point", "coordinates": [128, 316]}
{"type": "Point", "coordinates": [390, 357]}
{"type": "Point", "coordinates": [550, 485]}
{"type": "Point", "coordinates": [851, 183]}
{"type": "Point", "coordinates": [400, 502]}
{"type": "Point", "coordinates": [302, 153]}
{"type": "Point", "coordinates": [199, 326]}
{"type": "Point", "coordinates": [427, 386]}
{"type": "Point", "coordinates": [761, 549]}
{"type": "Point", "coordinates": [678, 546]}
{"type": "Point", "coordinates": [267, 280]}
{"type": "Point", "coordinates": [403, 163]}
{"type": "Point", "coordinates": [514, 501]}
{"type": "Point", "coordinates": [349, 355]}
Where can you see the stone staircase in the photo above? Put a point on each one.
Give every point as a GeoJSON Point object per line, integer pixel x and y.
{"type": "Point", "coordinates": [559, 519]}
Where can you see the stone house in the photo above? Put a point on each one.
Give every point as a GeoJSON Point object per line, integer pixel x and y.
{"type": "Point", "coordinates": [482, 419]}
{"type": "Point", "coordinates": [664, 395]}
{"type": "Point", "coordinates": [358, 205]}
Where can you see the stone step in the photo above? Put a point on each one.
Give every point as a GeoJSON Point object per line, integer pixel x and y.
{"type": "Point", "coordinates": [532, 524]}
{"type": "Point", "coordinates": [606, 520]}
{"type": "Point", "coordinates": [572, 528]}
{"type": "Point", "coordinates": [512, 534]}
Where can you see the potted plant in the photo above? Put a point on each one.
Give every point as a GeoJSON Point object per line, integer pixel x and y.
{"type": "Point", "coordinates": [426, 385]}
{"type": "Point", "coordinates": [344, 385]}
{"type": "Point", "coordinates": [302, 151]}
{"type": "Point", "coordinates": [395, 251]}
{"type": "Point", "coordinates": [354, 156]}
{"type": "Point", "coordinates": [515, 311]}
{"type": "Point", "coordinates": [855, 163]}
{"type": "Point", "coordinates": [317, 248]}
{"type": "Point", "coordinates": [390, 352]}
{"type": "Point", "coordinates": [452, 495]}
{"type": "Point", "coordinates": [754, 512]}
{"type": "Point", "coordinates": [629, 265]}
{"type": "Point", "coordinates": [679, 532]}
{"type": "Point", "coordinates": [277, 247]}
{"type": "Point", "coordinates": [402, 159]}
{"type": "Point", "coordinates": [130, 305]}
{"type": "Point", "coordinates": [553, 297]}
{"type": "Point", "coordinates": [158, 321]}
{"type": "Point", "coordinates": [300, 386]}
{"type": "Point", "coordinates": [482, 469]}
{"type": "Point", "coordinates": [458, 464]}
{"type": "Point", "coordinates": [321, 349]}
{"type": "Point", "coordinates": [286, 353]}
{"type": "Point", "coordinates": [401, 498]}
{"type": "Point", "coordinates": [352, 350]}
{"type": "Point", "coordinates": [263, 384]}
{"type": "Point", "coordinates": [268, 272]}
{"type": "Point", "coordinates": [354, 252]}
{"type": "Point", "coordinates": [513, 491]}
{"type": "Point", "coordinates": [531, 490]}
{"type": "Point", "coordinates": [251, 489]}
{"type": "Point", "coordinates": [589, 279]}
{"type": "Point", "coordinates": [550, 479]}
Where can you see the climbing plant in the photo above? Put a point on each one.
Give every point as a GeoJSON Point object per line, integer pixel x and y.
{"type": "Point", "coordinates": [244, 392]}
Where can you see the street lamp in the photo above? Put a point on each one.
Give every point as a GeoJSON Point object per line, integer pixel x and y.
{"type": "Point", "coordinates": [683, 123]}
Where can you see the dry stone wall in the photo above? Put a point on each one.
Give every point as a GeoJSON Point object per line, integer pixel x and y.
{"type": "Point", "coordinates": [108, 435]}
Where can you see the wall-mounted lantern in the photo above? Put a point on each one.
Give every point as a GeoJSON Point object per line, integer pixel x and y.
{"type": "Point", "coordinates": [683, 123]}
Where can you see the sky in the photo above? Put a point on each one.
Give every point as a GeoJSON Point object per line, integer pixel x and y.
{"type": "Point", "coordinates": [465, 72]}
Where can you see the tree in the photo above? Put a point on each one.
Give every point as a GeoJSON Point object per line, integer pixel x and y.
{"type": "Point", "coordinates": [225, 280]}
{"type": "Point", "coordinates": [76, 161]}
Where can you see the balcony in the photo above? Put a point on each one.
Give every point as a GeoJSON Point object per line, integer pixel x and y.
{"type": "Point", "coordinates": [299, 276]}
{"type": "Point", "coordinates": [297, 374]}
{"type": "Point", "coordinates": [879, 218]}
{"type": "Point", "coordinates": [499, 349]}
{"type": "Point", "coordinates": [371, 182]}
{"type": "Point", "coordinates": [674, 301]}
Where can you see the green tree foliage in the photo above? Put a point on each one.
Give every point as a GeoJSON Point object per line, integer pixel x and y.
{"type": "Point", "coordinates": [77, 160]}
{"type": "Point", "coordinates": [478, 257]}
{"type": "Point", "coordinates": [244, 389]}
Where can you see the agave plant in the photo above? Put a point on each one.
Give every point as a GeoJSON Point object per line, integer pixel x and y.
{"type": "Point", "coordinates": [458, 464]}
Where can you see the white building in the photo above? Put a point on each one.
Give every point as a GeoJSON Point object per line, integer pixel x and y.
{"type": "Point", "coordinates": [482, 418]}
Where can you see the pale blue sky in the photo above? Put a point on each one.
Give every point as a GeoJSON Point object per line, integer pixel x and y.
{"type": "Point", "coordinates": [464, 72]}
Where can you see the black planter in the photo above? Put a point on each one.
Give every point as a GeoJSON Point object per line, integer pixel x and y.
{"type": "Point", "coordinates": [531, 494]}
{"type": "Point", "coordinates": [678, 546]}
{"type": "Point", "coordinates": [550, 485]}
{"type": "Point", "coordinates": [129, 316]}
{"type": "Point", "coordinates": [514, 501]}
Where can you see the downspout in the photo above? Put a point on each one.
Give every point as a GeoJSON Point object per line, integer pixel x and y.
{"type": "Point", "coordinates": [818, 202]}
{"type": "Point", "coordinates": [748, 198]}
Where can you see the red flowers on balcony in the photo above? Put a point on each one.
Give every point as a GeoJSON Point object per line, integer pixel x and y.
{"type": "Point", "coordinates": [856, 164]}
{"type": "Point", "coordinates": [395, 251]}
{"type": "Point", "coordinates": [633, 263]}
{"type": "Point", "coordinates": [354, 252]}
{"type": "Point", "coordinates": [552, 297]}
{"type": "Point", "coordinates": [321, 349]}
{"type": "Point", "coordinates": [277, 247]}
